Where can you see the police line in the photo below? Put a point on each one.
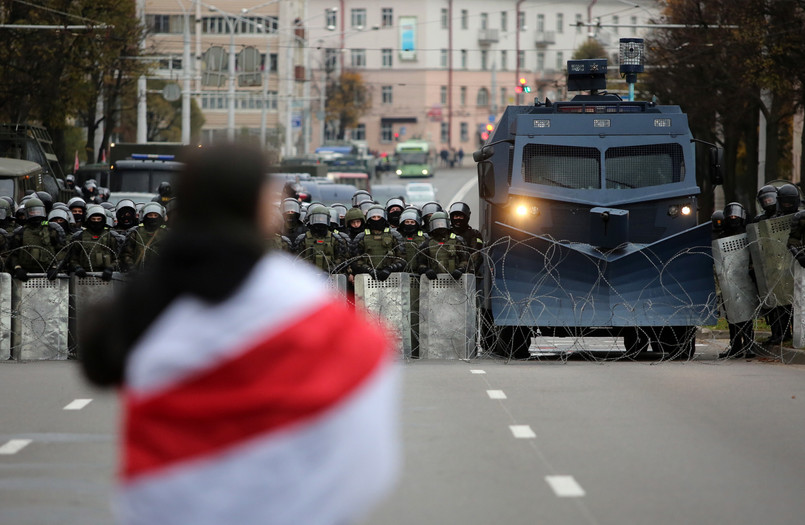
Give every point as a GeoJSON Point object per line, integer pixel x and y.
{"type": "Point", "coordinates": [429, 318]}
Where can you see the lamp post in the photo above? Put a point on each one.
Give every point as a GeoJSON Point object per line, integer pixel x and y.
{"type": "Point", "coordinates": [186, 73]}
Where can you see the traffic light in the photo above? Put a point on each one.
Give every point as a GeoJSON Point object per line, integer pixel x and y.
{"type": "Point", "coordinates": [487, 132]}
{"type": "Point", "coordinates": [523, 87]}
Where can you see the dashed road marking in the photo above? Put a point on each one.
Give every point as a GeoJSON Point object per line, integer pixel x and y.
{"type": "Point", "coordinates": [496, 394]}
{"type": "Point", "coordinates": [78, 404]}
{"type": "Point", "coordinates": [13, 446]}
{"type": "Point", "coordinates": [477, 371]}
{"type": "Point", "coordinates": [522, 431]}
{"type": "Point", "coordinates": [565, 486]}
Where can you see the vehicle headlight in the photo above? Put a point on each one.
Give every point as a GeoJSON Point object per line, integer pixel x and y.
{"type": "Point", "coordinates": [424, 172]}
{"type": "Point", "coordinates": [399, 172]}
{"type": "Point", "coordinates": [521, 210]}
{"type": "Point", "coordinates": [686, 210]}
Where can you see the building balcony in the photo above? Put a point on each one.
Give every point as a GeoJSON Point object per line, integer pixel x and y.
{"type": "Point", "coordinates": [545, 38]}
{"type": "Point", "coordinates": [488, 36]}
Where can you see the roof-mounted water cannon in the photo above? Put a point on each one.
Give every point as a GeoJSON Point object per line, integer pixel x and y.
{"type": "Point", "coordinates": [587, 75]}
{"type": "Point", "coordinates": [631, 57]}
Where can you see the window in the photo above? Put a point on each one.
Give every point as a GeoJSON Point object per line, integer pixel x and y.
{"type": "Point", "coordinates": [272, 62]}
{"type": "Point", "coordinates": [158, 23]}
{"type": "Point", "coordinates": [540, 61]}
{"type": "Point", "coordinates": [386, 94]}
{"type": "Point", "coordinates": [386, 132]}
{"type": "Point", "coordinates": [330, 18]}
{"type": "Point", "coordinates": [465, 19]}
{"type": "Point", "coordinates": [503, 21]}
{"type": "Point", "coordinates": [503, 99]}
{"type": "Point", "coordinates": [634, 23]}
{"type": "Point", "coordinates": [484, 21]}
{"type": "Point", "coordinates": [484, 59]}
{"type": "Point", "coordinates": [483, 97]}
{"type": "Point", "coordinates": [387, 17]}
{"type": "Point", "coordinates": [564, 166]}
{"type": "Point", "coordinates": [463, 95]}
{"type": "Point", "coordinates": [465, 136]}
{"type": "Point", "coordinates": [615, 21]}
{"type": "Point", "coordinates": [444, 18]}
{"type": "Point", "coordinates": [540, 23]}
{"type": "Point", "coordinates": [463, 59]}
{"type": "Point", "coordinates": [443, 58]}
{"type": "Point", "coordinates": [640, 166]}
{"type": "Point", "coordinates": [330, 59]}
{"type": "Point", "coordinates": [578, 23]}
{"type": "Point", "coordinates": [358, 17]}
{"type": "Point", "coordinates": [359, 133]}
{"type": "Point", "coordinates": [443, 95]}
{"type": "Point", "coordinates": [560, 60]}
{"type": "Point", "coordinates": [387, 56]}
{"type": "Point", "coordinates": [445, 132]}
{"type": "Point", "coordinates": [358, 58]}
{"type": "Point", "coordinates": [560, 23]}
{"type": "Point", "coordinates": [521, 20]}
{"type": "Point", "coordinates": [504, 65]}
{"type": "Point", "coordinates": [520, 59]}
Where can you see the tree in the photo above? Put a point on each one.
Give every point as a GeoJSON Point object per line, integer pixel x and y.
{"type": "Point", "coordinates": [347, 101]}
{"type": "Point", "coordinates": [591, 48]}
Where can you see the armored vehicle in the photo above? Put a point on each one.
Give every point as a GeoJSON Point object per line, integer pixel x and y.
{"type": "Point", "coordinates": [33, 143]}
{"type": "Point", "coordinates": [589, 211]}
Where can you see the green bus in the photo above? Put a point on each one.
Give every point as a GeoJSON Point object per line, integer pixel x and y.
{"type": "Point", "coordinates": [414, 159]}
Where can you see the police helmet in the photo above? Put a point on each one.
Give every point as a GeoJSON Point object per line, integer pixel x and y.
{"type": "Point", "coordinates": [431, 207]}
{"type": "Point", "coordinates": [290, 205]}
{"type": "Point", "coordinates": [125, 204]}
{"type": "Point", "coordinates": [360, 196]}
{"type": "Point", "coordinates": [315, 209]}
{"type": "Point", "coordinates": [353, 214]}
{"type": "Point", "coordinates": [5, 210]}
{"type": "Point", "coordinates": [45, 198]}
{"type": "Point", "coordinates": [411, 214]}
{"type": "Point", "coordinates": [375, 211]}
{"type": "Point", "coordinates": [9, 200]}
{"type": "Point", "coordinates": [165, 189]}
{"type": "Point", "coordinates": [341, 210]}
{"type": "Point", "coordinates": [335, 220]}
{"type": "Point", "coordinates": [63, 206]}
{"type": "Point", "coordinates": [734, 215]}
{"type": "Point", "coordinates": [788, 198]}
{"type": "Point", "coordinates": [59, 213]}
{"type": "Point", "coordinates": [77, 202]}
{"type": "Point", "coordinates": [108, 206]}
{"type": "Point", "coordinates": [395, 201]}
{"type": "Point", "coordinates": [767, 198]}
{"type": "Point", "coordinates": [438, 221]}
{"type": "Point", "coordinates": [717, 221]}
{"type": "Point", "coordinates": [152, 207]}
{"type": "Point", "coordinates": [365, 205]}
{"type": "Point", "coordinates": [69, 178]}
{"type": "Point", "coordinates": [460, 207]}
{"type": "Point", "coordinates": [35, 208]}
{"type": "Point", "coordinates": [96, 209]}
{"type": "Point", "coordinates": [318, 215]}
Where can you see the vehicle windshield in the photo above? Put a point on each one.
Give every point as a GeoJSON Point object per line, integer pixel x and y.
{"type": "Point", "coordinates": [7, 187]}
{"type": "Point", "coordinates": [139, 180]}
{"type": "Point", "coordinates": [641, 166]}
{"type": "Point", "coordinates": [413, 157]}
{"type": "Point", "coordinates": [564, 166]}
{"type": "Point", "coordinates": [23, 149]}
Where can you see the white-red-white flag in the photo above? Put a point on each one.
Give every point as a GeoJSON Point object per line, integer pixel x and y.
{"type": "Point", "coordinates": [103, 156]}
{"type": "Point", "coordinates": [75, 164]}
{"type": "Point", "coordinates": [276, 406]}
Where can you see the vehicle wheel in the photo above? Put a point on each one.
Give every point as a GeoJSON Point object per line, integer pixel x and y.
{"type": "Point", "coordinates": [513, 342]}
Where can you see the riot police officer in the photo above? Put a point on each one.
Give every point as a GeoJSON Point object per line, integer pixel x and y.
{"type": "Point", "coordinates": [142, 242]}
{"type": "Point", "coordinates": [360, 196]}
{"type": "Point", "coordinates": [459, 213]}
{"type": "Point", "coordinates": [126, 215]}
{"type": "Point", "coordinates": [342, 212]}
{"type": "Point", "coordinates": [378, 249]}
{"type": "Point", "coordinates": [291, 213]}
{"type": "Point", "coordinates": [428, 209]}
{"type": "Point", "coordinates": [37, 246]}
{"type": "Point", "coordinates": [788, 201]}
{"type": "Point", "coordinates": [444, 251]}
{"type": "Point", "coordinates": [355, 222]}
{"type": "Point", "coordinates": [164, 193]}
{"type": "Point", "coordinates": [410, 229]}
{"type": "Point", "coordinates": [717, 222]}
{"type": "Point", "coordinates": [742, 335]}
{"type": "Point", "coordinates": [60, 216]}
{"type": "Point", "coordinates": [78, 208]}
{"type": "Point", "coordinates": [394, 207]}
{"type": "Point", "coordinates": [319, 246]}
{"type": "Point", "coordinates": [95, 247]}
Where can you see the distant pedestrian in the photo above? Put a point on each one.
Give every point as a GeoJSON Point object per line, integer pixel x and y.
{"type": "Point", "coordinates": [251, 395]}
{"type": "Point", "coordinates": [444, 154]}
{"type": "Point", "coordinates": [460, 157]}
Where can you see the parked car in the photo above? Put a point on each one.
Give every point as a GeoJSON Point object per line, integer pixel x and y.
{"type": "Point", "coordinates": [420, 192]}
{"type": "Point", "coordinates": [326, 192]}
{"type": "Point", "coordinates": [383, 192]}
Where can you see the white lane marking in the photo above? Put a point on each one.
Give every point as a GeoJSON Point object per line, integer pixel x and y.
{"type": "Point", "coordinates": [522, 431]}
{"type": "Point", "coordinates": [565, 486]}
{"type": "Point", "coordinates": [78, 404]}
{"type": "Point", "coordinates": [464, 189]}
{"type": "Point", "coordinates": [13, 446]}
{"type": "Point", "coordinates": [477, 372]}
{"type": "Point", "coordinates": [496, 394]}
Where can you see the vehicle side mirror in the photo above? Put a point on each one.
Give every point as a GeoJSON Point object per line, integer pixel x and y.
{"type": "Point", "coordinates": [716, 166]}
{"type": "Point", "coordinates": [486, 179]}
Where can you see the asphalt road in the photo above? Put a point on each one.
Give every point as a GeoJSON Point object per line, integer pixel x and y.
{"type": "Point", "coordinates": [548, 441]}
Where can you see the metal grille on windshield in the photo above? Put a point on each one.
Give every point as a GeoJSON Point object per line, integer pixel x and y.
{"type": "Point", "coordinates": [640, 166]}
{"type": "Point", "coordinates": [564, 166]}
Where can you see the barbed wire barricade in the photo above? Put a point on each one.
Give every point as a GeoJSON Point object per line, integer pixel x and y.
{"type": "Point", "coordinates": [516, 317]}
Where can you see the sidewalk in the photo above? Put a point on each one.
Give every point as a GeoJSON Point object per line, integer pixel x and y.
{"type": "Point", "coordinates": [785, 354]}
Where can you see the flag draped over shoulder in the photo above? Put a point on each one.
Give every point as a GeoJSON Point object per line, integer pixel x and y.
{"type": "Point", "coordinates": [275, 406]}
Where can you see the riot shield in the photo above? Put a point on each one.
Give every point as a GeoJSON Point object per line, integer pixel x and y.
{"type": "Point", "coordinates": [738, 290]}
{"type": "Point", "coordinates": [389, 302]}
{"type": "Point", "coordinates": [772, 262]}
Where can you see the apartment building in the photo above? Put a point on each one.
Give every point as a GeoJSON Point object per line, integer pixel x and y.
{"type": "Point", "coordinates": [436, 70]}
